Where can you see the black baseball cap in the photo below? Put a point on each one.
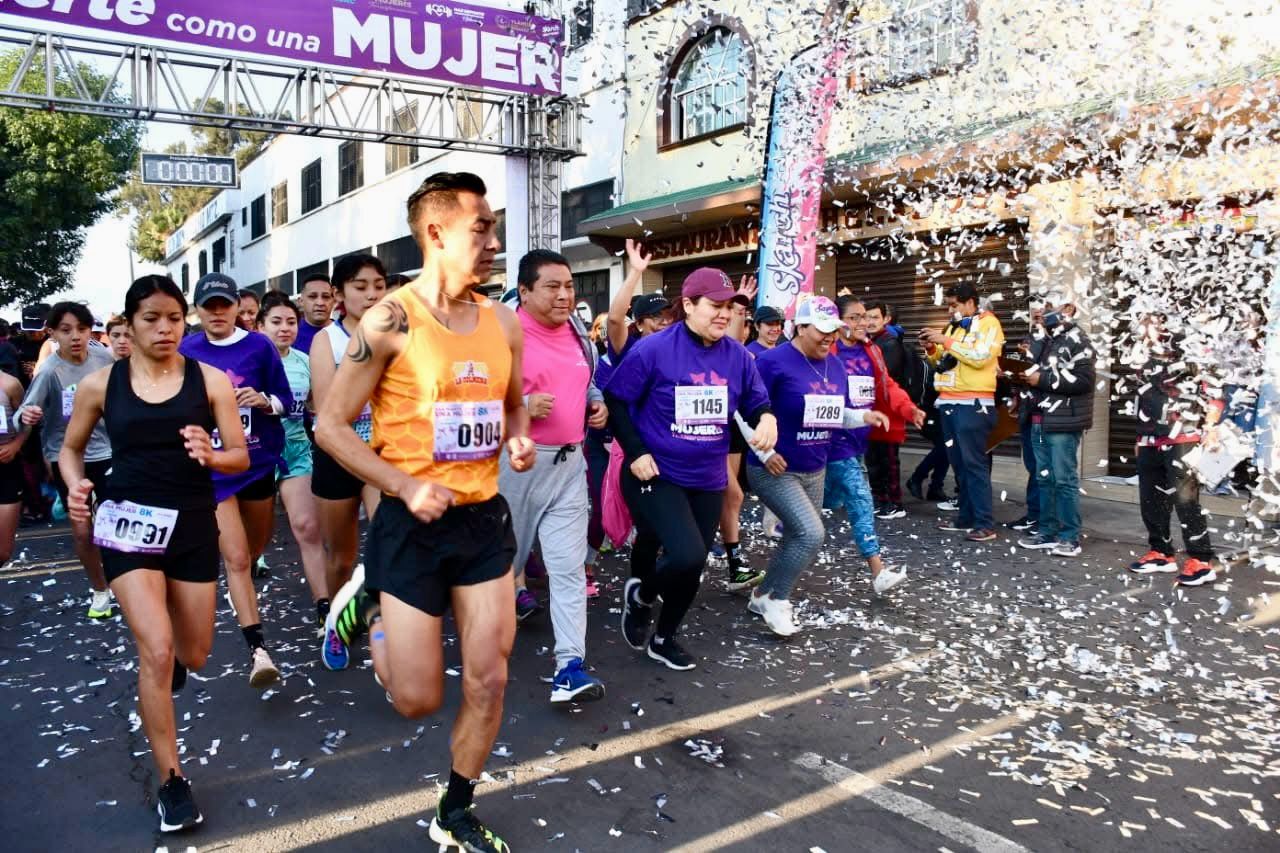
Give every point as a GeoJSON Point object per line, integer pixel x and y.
{"type": "Point", "coordinates": [648, 304]}
{"type": "Point", "coordinates": [768, 314]}
{"type": "Point", "coordinates": [215, 285]}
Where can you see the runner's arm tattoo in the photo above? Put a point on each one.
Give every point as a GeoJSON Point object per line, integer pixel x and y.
{"type": "Point", "coordinates": [390, 317]}
{"type": "Point", "coordinates": [359, 350]}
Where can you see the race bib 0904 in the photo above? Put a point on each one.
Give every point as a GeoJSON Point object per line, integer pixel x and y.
{"type": "Point", "coordinates": [702, 404]}
{"type": "Point", "coordinates": [133, 528]}
{"type": "Point", "coordinates": [823, 411]}
{"type": "Point", "coordinates": [467, 430]}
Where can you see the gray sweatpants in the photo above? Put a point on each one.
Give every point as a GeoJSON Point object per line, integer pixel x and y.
{"type": "Point", "coordinates": [549, 504]}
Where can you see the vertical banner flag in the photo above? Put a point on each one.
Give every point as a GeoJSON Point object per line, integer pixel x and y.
{"type": "Point", "coordinates": [791, 203]}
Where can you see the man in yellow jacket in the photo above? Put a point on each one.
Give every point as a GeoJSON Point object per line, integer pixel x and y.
{"type": "Point", "coordinates": [965, 356]}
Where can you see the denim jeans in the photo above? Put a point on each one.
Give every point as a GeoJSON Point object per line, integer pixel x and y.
{"type": "Point", "coordinates": [847, 486]}
{"type": "Point", "coordinates": [796, 498]}
{"type": "Point", "coordinates": [1031, 462]}
{"type": "Point", "coordinates": [1058, 473]}
{"type": "Point", "coordinates": [966, 428]}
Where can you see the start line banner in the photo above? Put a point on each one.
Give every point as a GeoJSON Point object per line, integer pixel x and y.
{"type": "Point", "coordinates": [439, 40]}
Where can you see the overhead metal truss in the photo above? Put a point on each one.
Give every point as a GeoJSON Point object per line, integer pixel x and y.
{"type": "Point", "coordinates": [186, 86]}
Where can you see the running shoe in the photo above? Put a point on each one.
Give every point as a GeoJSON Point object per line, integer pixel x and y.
{"type": "Point", "coordinates": [333, 653]}
{"type": "Point", "coordinates": [915, 488]}
{"type": "Point", "coordinates": [1066, 549]}
{"type": "Point", "coordinates": [953, 527]}
{"type": "Point", "coordinates": [100, 604]}
{"type": "Point", "coordinates": [1196, 573]}
{"type": "Point", "coordinates": [593, 588]}
{"type": "Point", "coordinates": [460, 828]}
{"type": "Point", "coordinates": [574, 684]}
{"type": "Point", "coordinates": [177, 808]}
{"type": "Point", "coordinates": [1038, 543]}
{"type": "Point", "coordinates": [346, 610]}
{"type": "Point", "coordinates": [526, 604]}
{"type": "Point", "coordinates": [887, 579]}
{"type": "Point", "coordinates": [670, 654]}
{"type": "Point", "coordinates": [636, 616]}
{"type": "Point", "coordinates": [263, 673]}
{"type": "Point", "coordinates": [179, 679]}
{"type": "Point", "coordinates": [1154, 562]}
{"type": "Point", "coordinates": [891, 511]}
{"type": "Point", "coordinates": [949, 505]}
{"type": "Point", "coordinates": [777, 613]}
{"type": "Point", "coordinates": [985, 534]}
{"type": "Point", "coordinates": [742, 576]}
{"type": "Point", "coordinates": [260, 569]}
{"type": "Point", "coordinates": [1022, 524]}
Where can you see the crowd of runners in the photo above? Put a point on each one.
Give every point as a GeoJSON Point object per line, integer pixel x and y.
{"type": "Point", "coordinates": [423, 406]}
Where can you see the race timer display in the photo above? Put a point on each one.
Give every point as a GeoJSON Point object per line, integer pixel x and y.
{"type": "Point", "coordinates": [189, 170]}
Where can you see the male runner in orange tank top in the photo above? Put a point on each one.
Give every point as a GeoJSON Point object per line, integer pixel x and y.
{"type": "Point", "coordinates": [440, 366]}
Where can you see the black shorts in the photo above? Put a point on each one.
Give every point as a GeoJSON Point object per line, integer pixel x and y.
{"type": "Point", "coordinates": [331, 481]}
{"type": "Point", "coordinates": [737, 441]}
{"type": "Point", "coordinates": [95, 472]}
{"type": "Point", "coordinates": [420, 564]}
{"type": "Point", "coordinates": [192, 556]}
{"type": "Point", "coordinates": [260, 489]}
{"type": "Point", "coordinates": [12, 477]}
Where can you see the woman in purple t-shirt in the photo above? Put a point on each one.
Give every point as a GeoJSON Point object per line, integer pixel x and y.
{"type": "Point", "coordinates": [670, 402]}
{"type": "Point", "coordinates": [809, 391]}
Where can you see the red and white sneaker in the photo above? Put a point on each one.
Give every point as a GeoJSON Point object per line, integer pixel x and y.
{"type": "Point", "coordinates": [1154, 562]}
{"type": "Point", "coordinates": [593, 589]}
{"type": "Point", "coordinates": [1196, 573]}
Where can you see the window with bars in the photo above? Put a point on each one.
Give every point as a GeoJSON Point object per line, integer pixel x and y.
{"type": "Point", "coordinates": [350, 166]}
{"type": "Point", "coordinates": [581, 23]}
{"type": "Point", "coordinates": [576, 205]}
{"type": "Point", "coordinates": [257, 217]}
{"type": "Point", "coordinates": [312, 194]}
{"type": "Point", "coordinates": [279, 204]}
{"type": "Point", "coordinates": [404, 121]}
{"type": "Point", "coordinates": [593, 289]}
{"type": "Point", "coordinates": [709, 90]}
{"type": "Point", "coordinates": [920, 39]}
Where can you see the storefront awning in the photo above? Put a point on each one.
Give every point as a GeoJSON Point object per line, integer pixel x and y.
{"type": "Point", "coordinates": [709, 203]}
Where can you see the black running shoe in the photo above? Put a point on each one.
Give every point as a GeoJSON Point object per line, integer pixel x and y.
{"type": "Point", "coordinates": [742, 576]}
{"type": "Point", "coordinates": [460, 829]}
{"type": "Point", "coordinates": [669, 654]}
{"type": "Point", "coordinates": [179, 675]}
{"type": "Point", "coordinates": [636, 617]}
{"type": "Point", "coordinates": [177, 808]}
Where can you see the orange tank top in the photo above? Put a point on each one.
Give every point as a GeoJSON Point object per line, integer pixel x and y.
{"type": "Point", "coordinates": [439, 410]}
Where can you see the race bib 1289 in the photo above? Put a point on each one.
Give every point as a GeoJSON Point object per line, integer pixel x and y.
{"type": "Point", "coordinates": [823, 411]}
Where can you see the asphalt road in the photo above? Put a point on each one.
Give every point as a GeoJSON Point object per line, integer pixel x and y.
{"type": "Point", "coordinates": [1000, 700]}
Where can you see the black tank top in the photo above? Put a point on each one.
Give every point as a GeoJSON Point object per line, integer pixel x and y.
{"type": "Point", "coordinates": [149, 464]}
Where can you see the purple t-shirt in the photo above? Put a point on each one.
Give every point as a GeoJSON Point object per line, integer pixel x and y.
{"type": "Point", "coordinates": [758, 349]}
{"type": "Point", "coordinates": [848, 443]}
{"type": "Point", "coordinates": [809, 398]}
{"type": "Point", "coordinates": [306, 334]}
{"type": "Point", "coordinates": [681, 395]}
{"type": "Point", "coordinates": [251, 362]}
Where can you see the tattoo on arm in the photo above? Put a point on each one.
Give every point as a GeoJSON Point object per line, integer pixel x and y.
{"type": "Point", "coordinates": [359, 350]}
{"type": "Point", "coordinates": [390, 317]}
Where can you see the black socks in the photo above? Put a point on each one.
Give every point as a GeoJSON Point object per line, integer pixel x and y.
{"type": "Point", "coordinates": [458, 795]}
{"type": "Point", "coordinates": [253, 636]}
{"type": "Point", "coordinates": [322, 609]}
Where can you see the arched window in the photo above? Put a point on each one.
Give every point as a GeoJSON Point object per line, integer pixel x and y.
{"type": "Point", "coordinates": [709, 88]}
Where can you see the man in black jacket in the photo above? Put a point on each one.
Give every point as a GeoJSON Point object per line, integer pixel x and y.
{"type": "Point", "coordinates": [1061, 409]}
{"type": "Point", "coordinates": [883, 467]}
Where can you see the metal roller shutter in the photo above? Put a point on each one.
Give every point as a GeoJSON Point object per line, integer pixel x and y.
{"type": "Point", "coordinates": [885, 269]}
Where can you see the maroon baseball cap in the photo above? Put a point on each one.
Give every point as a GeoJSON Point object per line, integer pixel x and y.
{"type": "Point", "coordinates": [713, 284]}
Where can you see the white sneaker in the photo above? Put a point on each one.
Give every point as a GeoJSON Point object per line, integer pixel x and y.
{"type": "Point", "coordinates": [776, 613]}
{"type": "Point", "coordinates": [887, 580]}
{"type": "Point", "coordinates": [100, 605]}
{"type": "Point", "coordinates": [949, 506]}
{"type": "Point", "coordinates": [264, 672]}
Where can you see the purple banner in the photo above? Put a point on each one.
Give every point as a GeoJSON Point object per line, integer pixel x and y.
{"type": "Point", "coordinates": [438, 40]}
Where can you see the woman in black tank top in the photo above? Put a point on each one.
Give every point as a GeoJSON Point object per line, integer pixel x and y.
{"type": "Point", "coordinates": [155, 519]}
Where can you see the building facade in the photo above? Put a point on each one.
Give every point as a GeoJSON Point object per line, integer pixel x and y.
{"type": "Point", "coordinates": [303, 202]}
{"type": "Point", "coordinates": [1031, 147]}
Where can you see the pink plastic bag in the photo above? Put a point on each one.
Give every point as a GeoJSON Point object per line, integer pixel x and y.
{"type": "Point", "coordinates": [614, 515]}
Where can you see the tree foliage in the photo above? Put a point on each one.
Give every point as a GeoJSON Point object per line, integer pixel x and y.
{"type": "Point", "coordinates": [58, 175]}
{"type": "Point", "coordinates": [159, 211]}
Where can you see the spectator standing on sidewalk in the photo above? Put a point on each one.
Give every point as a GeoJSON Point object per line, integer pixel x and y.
{"type": "Point", "coordinates": [883, 468]}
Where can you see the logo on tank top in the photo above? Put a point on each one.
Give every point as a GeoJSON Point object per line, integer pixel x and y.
{"type": "Point", "coordinates": [470, 373]}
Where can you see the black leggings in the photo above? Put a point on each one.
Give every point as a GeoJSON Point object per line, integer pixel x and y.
{"type": "Point", "coordinates": [683, 522]}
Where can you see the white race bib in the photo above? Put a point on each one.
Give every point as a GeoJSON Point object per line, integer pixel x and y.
{"type": "Point", "coordinates": [133, 528]}
{"type": "Point", "coordinates": [246, 423]}
{"type": "Point", "coordinates": [862, 390]}
{"type": "Point", "coordinates": [823, 411]}
{"type": "Point", "coordinates": [4, 419]}
{"type": "Point", "coordinates": [364, 424]}
{"type": "Point", "coordinates": [702, 404]}
{"type": "Point", "coordinates": [299, 409]}
{"type": "Point", "coordinates": [467, 430]}
{"type": "Point", "coordinates": [68, 397]}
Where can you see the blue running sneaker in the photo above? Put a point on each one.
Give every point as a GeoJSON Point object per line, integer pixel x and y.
{"type": "Point", "coordinates": [333, 654]}
{"type": "Point", "coordinates": [574, 684]}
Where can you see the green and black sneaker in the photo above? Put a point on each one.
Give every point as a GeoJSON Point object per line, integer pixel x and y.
{"type": "Point", "coordinates": [460, 829]}
{"type": "Point", "coordinates": [742, 576]}
{"type": "Point", "coordinates": [350, 609]}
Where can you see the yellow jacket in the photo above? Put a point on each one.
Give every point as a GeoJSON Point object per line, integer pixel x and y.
{"type": "Point", "coordinates": [977, 352]}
